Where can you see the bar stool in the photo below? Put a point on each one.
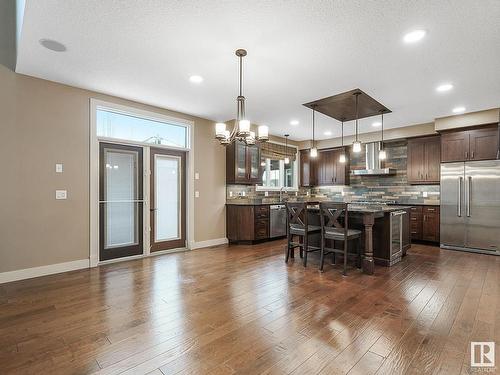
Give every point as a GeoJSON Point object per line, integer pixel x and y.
{"type": "Point", "coordinates": [296, 225]}
{"type": "Point", "coordinates": [335, 226]}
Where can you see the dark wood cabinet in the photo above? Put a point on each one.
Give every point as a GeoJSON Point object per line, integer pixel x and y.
{"type": "Point", "coordinates": [247, 223]}
{"type": "Point", "coordinates": [424, 159]}
{"type": "Point", "coordinates": [430, 224]}
{"type": "Point", "coordinates": [472, 144]}
{"type": "Point", "coordinates": [424, 223]}
{"type": "Point", "coordinates": [307, 169]}
{"type": "Point", "coordinates": [329, 171]}
{"type": "Point", "coordinates": [243, 164]}
{"type": "Point", "coordinates": [483, 144]}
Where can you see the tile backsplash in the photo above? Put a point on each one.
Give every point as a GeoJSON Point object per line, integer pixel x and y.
{"type": "Point", "coordinates": [392, 188]}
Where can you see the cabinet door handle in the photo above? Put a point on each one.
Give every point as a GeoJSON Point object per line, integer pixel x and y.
{"type": "Point", "coordinates": [466, 154]}
{"type": "Point", "coordinates": [472, 156]}
{"type": "Point", "coordinates": [425, 218]}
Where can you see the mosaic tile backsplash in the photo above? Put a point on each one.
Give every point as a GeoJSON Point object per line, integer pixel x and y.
{"type": "Point", "coordinates": [380, 188]}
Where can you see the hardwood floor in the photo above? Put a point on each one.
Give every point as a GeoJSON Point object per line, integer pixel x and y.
{"type": "Point", "coordinates": [242, 310]}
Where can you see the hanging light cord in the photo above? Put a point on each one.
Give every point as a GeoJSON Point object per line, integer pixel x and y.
{"type": "Point", "coordinates": [313, 128]}
{"type": "Point", "coordinates": [357, 94]}
{"type": "Point", "coordinates": [382, 128]}
{"type": "Point", "coordinates": [342, 132]}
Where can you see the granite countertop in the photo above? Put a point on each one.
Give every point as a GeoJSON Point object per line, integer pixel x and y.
{"type": "Point", "coordinates": [261, 202]}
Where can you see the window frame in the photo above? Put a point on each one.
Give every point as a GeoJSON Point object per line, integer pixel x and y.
{"type": "Point", "coordinates": [147, 115]}
{"type": "Point", "coordinates": [295, 172]}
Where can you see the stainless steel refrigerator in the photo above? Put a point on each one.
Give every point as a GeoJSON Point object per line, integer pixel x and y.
{"type": "Point", "coordinates": [470, 206]}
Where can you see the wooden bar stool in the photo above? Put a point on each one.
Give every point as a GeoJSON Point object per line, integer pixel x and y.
{"type": "Point", "coordinates": [296, 225]}
{"type": "Point", "coordinates": [335, 226]}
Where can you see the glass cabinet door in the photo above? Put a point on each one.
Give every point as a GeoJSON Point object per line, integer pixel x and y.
{"type": "Point", "coordinates": [253, 163]}
{"type": "Point", "coordinates": [241, 161]}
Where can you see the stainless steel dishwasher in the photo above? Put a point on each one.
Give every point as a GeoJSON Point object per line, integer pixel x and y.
{"type": "Point", "coordinates": [277, 226]}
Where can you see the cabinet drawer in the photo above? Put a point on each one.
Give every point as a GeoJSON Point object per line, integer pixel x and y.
{"type": "Point", "coordinates": [431, 211]}
{"type": "Point", "coordinates": [261, 229]}
{"type": "Point", "coordinates": [261, 212]}
{"type": "Point", "coordinates": [416, 210]}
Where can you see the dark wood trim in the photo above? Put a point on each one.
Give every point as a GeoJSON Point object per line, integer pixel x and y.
{"type": "Point", "coordinates": [120, 252]}
{"type": "Point", "coordinates": [181, 242]}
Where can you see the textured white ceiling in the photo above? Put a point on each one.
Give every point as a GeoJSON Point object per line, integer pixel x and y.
{"type": "Point", "coordinates": [298, 51]}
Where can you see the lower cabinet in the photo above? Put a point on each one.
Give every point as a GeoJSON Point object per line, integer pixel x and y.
{"type": "Point", "coordinates": [424, 223]}
{"type": "Point", "coordinates": [247, 223]}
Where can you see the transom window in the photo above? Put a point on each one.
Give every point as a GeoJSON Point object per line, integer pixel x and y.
{"type": "Point", "coordinates": [116, 125]}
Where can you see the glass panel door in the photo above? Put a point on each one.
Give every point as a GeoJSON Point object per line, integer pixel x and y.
{"type": "Point", "coordinates": [120, 201]}
{"type": "Point", "coordinates": [168, 229]}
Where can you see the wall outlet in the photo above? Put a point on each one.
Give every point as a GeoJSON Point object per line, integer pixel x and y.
{"type": "Point", "coordinates": [61, 194]}
{"type": "Point", "coordinates": [425, 194]}
{"type": "Point", "coordinates": [266, 194]}
{"type": "Point", "coordinates": [59, 168]}
{"type": "Point", "coordinates": [196, 194]}
{"type": "Point", "coordinates": [196, 176]}
{"type": "Point", "coordinates": [230, 194]}
{"type": "Point", "coordinates": [241, 194]}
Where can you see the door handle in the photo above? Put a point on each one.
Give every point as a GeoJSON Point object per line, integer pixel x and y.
{"type": "Point", "coordinates": [153, 209]}
{"type": "Point", "coordinates": [469, 189]}
{"type": "Point", "coordinates": [459, 199]}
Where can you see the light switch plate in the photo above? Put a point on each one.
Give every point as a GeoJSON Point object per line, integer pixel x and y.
{"type": "Point", "coordinates": [59, 168]}
{"type": "Point", "coordinates": [266, 193]}
{"type": "Point", "coordinates": [425, 194]}
{"type": "Point", "coordinates": [197, 194]}
{"type": "Point", "coordinates": [196, 176]}
{"type": "Point", "coordinates": [61, 194]}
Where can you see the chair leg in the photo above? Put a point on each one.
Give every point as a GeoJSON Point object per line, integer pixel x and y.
{"type": "Point", "coordinates": [306, 244]}
{"type": "Point", "coordinates": [292, 249]}
{"type": "Point", "coordinates": [358, 247]}
{"type": "Point", "coordinates": [322, 258]}
{"type": "Point", "coordinates": [287, 254]}
{"type": "Point", "coordinates": [346, 243]}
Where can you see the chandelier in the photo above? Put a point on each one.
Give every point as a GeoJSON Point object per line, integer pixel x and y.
{"type": "Point", "coordinates": [241, 129]}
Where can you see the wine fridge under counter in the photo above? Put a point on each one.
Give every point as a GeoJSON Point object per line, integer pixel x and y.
{"type": "Point", "coordinates": [470, 206]}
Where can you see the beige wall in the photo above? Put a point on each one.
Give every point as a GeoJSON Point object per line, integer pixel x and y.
{"type": "Point", "coordinates": [43, 123]}
{"type": "Point", "coordinates": [468, 119]}
{"type": "Point", "coordinates": [389, 134]}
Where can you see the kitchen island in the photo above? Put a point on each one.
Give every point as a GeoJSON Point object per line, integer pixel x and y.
{"type": "Point", "coordinates": [248, 222]}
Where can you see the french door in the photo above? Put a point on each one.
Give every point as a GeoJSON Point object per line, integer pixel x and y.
{"type": "Point", "coordinates": [168, 199]}
{"type": "Point", "coordinates": [120, 201]}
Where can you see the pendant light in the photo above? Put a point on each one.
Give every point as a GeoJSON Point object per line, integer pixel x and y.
{"type": "Point", "coordinates": [241, 130]}
{"type": "Point", "coordinates": [382, 155]}
{"type": "Point", "coordinates": [313, 153]}
{"type": "Point", "coordinates": [342, 158]}
{"type": "Point", "coordinates": [263, 161]}
{"type": "Point", "coordinates": [356, 146]}
{"type": "Point", "coordinates": [287, 159]}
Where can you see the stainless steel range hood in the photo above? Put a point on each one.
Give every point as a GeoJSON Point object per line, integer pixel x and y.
{"type": "Point", "coordinates": [373, 163]}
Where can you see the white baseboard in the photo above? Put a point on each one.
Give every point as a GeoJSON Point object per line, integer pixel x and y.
{"type": "Point", "coordinates": [29, 273]}
{"type": "Point", "coordinates": [208, 243]}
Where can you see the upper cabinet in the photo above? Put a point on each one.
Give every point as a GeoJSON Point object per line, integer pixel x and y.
{"type": "Point", "coordinates": [475, 144]}
{"type": "Point", "coordinates": [243, 164]}
{"type": "Point", "coordinates": [424, 158]}
{"type": "Point", "coordinates": [307, 166]}
{"type": "Point", "coordinates": [325, 170]}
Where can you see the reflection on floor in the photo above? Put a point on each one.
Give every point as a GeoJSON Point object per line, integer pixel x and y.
{"type": "Point", "coordinates": [241, 309]}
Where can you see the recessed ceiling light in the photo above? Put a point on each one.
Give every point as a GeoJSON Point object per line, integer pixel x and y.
{"type": "Point", "coordinates": [327, 133]}
{"type": "Point", "coordinates": [444, 87]}
{"type": "Point", "coordinates": [414, 36]}
{"type": "Point", "coordinates": [294, 122]}
{"type": "Point", "coordinates": [458, 109]}
{"type": "Point", "coordinates": [196, 79]}
{"type": "Point", "coordinates": [377, 123]}
{"type": "Point", "coordinates": [52, 45]}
